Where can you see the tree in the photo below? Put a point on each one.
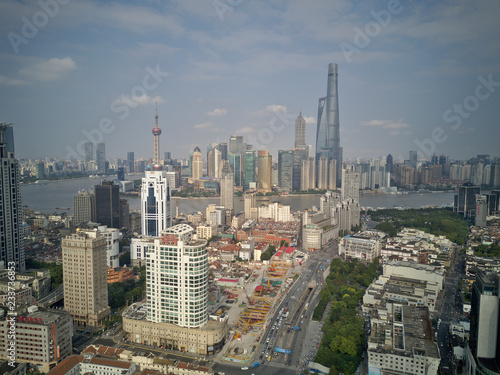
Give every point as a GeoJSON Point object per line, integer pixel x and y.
{"type": "Point", "coordinates": [124, 259]}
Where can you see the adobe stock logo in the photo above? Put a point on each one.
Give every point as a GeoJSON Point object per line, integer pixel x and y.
{"type": "Point", "coordinates": [457, 113]}
{"type": "Point", "coordinates": [30, 28]}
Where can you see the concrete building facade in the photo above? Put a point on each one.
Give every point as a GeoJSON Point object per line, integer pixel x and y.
{"type": "Point", "coordinates": [85, 278]}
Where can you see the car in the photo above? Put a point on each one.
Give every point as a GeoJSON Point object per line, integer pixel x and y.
{"type": "Point", "coordinates": [244, 368]}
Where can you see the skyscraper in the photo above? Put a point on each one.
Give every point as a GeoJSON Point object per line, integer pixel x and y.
{"type": "Point", "coordinates": [197, 168]}
{"type": "Point", "coordinates": [227, 187]}
{"type": "Point", "coordinates": [107, 201]}
{"type": "Point", "coordinates": [413, 159]}
{"type": "Point", "coordinates": [299, 154]}
{"type": "Point", "coordinates": [264, 171]}
{"type": "Point", "coordinates": [465, 200]}
{"type": "Point", "coordinates": [85, 279]}
{"type": "Point", "coordinates": [100, 157]}
{"type": "Point", "coordinates": [249, 175]}
{"type": "Point", "coordinates": [323, 173]}
{"type": "Point", "coordinates": [300, 132]}
{"type": "Point", "coordinates": [390, 164]}
{"type": "Point", "coordinates": [156, 214]}
{"type": "Point", "coordinates": [177, 278]}
{"type": "Point", "coordinates": [481, 210]}
{"type": "Point", "coordinates": [88, 150]}
{"type": "Point", "coordinates": [328, 129]}
{"type": "Point", "coordinates": [40, 171]}
{"type": "Point", "coordinates": [11, 214]}
{"type": "Point", "coordinates": [236, 164]}
{"type": "Point", "coordinates": [236, 156]}
{"type": "Point", "coordinates": [222, 147]}
{"type": "Point", "coordinates": [214, 163]}
{"type": "Point", "coordinates": [249, 206]}
{"type": "Point", "coordinates": [84, 208]}
{"type": "Point", "coordinates": [130, 162]}
{"type": "Point", "coordinates": [350, 184]}
{"type": "Point", "coordinates": [332, 175]}
{"type": "Point", "coordinates": [236, 145]}
{"type": "Point", "coordinates": [285, 169]}
{"type": "Point", "coordinates": [307, 174]}
{"type": "Point", "coordinates": [484, 345]}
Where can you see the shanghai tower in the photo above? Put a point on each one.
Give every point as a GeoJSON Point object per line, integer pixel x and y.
{"type": "Point", "coordinates": [328, 131]}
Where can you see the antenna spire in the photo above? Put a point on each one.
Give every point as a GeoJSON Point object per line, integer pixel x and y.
{"type": "Point", "coordinates": [156, 133]}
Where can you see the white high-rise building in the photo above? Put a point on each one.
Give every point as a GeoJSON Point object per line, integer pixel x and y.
{"type": "Point", "coordinates": [197, 166]}
{"type": "Point", "coordinates": [227, 186]}
{"type": "Point", "coordinates": [350, 184]}
{"type": "Point", "coordinates": [177, 277]}
{"type": "Point", "coordinates": [113, 236]}
{"type": "Point", "coordinates": [249, 205]}
{"type": "Point", "coordinates": [156, 212]}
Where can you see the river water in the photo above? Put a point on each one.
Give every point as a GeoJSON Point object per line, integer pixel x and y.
{"type": "Point", "coordinates": [57, 196]}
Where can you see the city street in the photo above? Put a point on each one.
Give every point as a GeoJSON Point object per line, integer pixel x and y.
{"type": "Point", "coordinates": [449, 311]}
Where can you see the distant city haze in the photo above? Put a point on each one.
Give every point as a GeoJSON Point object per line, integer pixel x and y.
{"type": "Point", "coordinates": [47, 198]}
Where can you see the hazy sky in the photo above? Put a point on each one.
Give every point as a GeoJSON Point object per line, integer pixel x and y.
{"type": "Point", "coordinates": [419, 75]}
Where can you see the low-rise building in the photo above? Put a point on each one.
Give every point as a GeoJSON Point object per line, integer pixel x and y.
{"type": "Point", "coordinates": [401, 341]}
{"type": "Point", "coordinates": [77, 364]}
{"type": "Point", "coordinates": [204, 231]}
{"type": "Point", "coordinates": [120, 274]}
{"type": "Point", "coordinates": [364, 245]}
{"type": "Point", "coordinates": [205, 340]}
{"type": "Point", "coordinates": [42, 337]}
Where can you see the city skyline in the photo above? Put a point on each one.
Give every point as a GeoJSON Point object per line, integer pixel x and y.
{"type": "Point", "coordinates": [409, 81]}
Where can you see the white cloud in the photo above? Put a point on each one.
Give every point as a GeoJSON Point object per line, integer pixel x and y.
{"type": "Point", "coordinates": [246, 130]}
{"type": "Point", "coordinates": [207, 127]}
{"type": "Point", "coordinates": [310, 120]}
{"type": "Point", "coordinates": [134, 101]}
{"type": "Point", "coordinates": [6, 81]}
{"type": "Point", "coordinates": [217, 112]}
{"type": "Point", "coordinates": [50, 70]}
{"type": "Point", "coordinates": [386, 124]}
{"type": "Point", "coordinates": [272, 109]}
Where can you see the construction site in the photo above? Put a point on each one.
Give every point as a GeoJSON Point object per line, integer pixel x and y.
{"type": "Point", "coordinates": [260, 298]}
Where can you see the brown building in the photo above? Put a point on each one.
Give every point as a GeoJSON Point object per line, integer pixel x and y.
{"type": "Point", "coordinates": [119, 275]}
{"type": "Point", "coordinates": [85, 278]}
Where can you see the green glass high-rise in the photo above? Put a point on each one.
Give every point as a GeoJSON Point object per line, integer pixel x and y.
{"type": "Point", "coordinates": [249, 168]}
{"type": "Point", "coordinates": [285, 169]}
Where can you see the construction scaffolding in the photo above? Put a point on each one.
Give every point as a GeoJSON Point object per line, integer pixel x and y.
{"type": "Point", "coordinates": [255, 314]}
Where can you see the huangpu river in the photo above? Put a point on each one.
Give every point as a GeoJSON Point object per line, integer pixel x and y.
{"type": "Point", "coordinates": [57, 196]}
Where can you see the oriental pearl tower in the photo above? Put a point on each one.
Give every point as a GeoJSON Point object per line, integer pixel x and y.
{"type": "Point", "coordinates": [156, 132]}
{"type": "Point", "coordinates": [156, 213]}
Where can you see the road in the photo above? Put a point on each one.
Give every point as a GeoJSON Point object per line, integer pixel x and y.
{"type": "Point", "coordinates": [450, 310]}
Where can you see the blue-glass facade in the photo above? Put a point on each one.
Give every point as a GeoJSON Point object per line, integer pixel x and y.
{"type": "Point", "coordinates": [328, 129]}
